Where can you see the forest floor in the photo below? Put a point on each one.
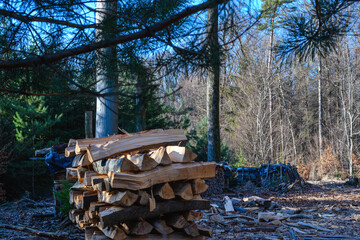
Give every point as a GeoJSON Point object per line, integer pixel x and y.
{"type": "Point", "coordinates": [316, 211]}
{"type": "Point", "coordinates": [37, 215]}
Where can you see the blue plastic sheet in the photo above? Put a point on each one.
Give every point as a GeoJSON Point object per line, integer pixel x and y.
{"type": "Point", "coordinates": [57, 162]}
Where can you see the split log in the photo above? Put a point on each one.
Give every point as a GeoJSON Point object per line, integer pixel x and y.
{"type": "Point", "coordinates": [37, 232]}
{"type": "Point", "coordinates": [87, 177]}
{"type": "Point", "coordinates": [162, 174]}
{"type": "Point", "coordinates": [114, 232]}
{"type": "Point", "coordinates": [143, 197]}
{"type": "Point", "coordinates": [95, 206]}
{"type": "Point", "coordinates": [87, 217]}
{"type": "Point", "coordinates": [89, 231]}
{"type": "Point", "coordinates": [198, 186]}
{"type": "Point", "coordinates": [77, 160]}
{"type": "Point", "coordinates": [79, 217]}
{"type": "Point", "coordinates": [138, 162]}
{"type": "Point", "coordinates": [183, 190]}
{"type": "Point", "coordinates": [147, 140]}
{"type": "Point", "coordinates": [107, 184]}
{"type": "Point", "coordinates": [116, 215]}
{"type": "Point", "coordinates": [228, 205]}
{"type": "Point", "coordinates": [84, 160]}
{"type": "Point", "coordinates": [193, 215]}
{"type": "Point", "coordinates": [71, 174]}
{"type": "Point", "coordinates": [99, 187]}
{"type": "Point", "coordinates": [142, 227]}
{"type": "Point", "coordinates": [176, 220]}
{"type": "Point", "coordinates": [73, 194]}
{"type": "Point", "coordinates": [80, 186]}
{"type": "Point", "coordinates": [124, 199]}
{"type": "Point", "coordinates": [125, 163]}
{"type": "Point", "coordinates": [192, 230]}
{"type": "Point", "coordinates": [161, 227]}
{"type": "Point", "coordinates": [126, 227]}
{"type": "Point", "coordinates": [70, 151]}
{"type": "Point", "coordinates": [88, 197]}
{"type": "Point", "coordinates": [97, 179]}
{"type": "Point", "coordinates": [75, 212]}
{"type": "Point", "coordinates": [198, 196]}
{"type": "Point", "coordinates": [103, 208]}
{"type": "Point", "coordinates": [180, 154]}
{"type": "Point", "coordinates": [81, 173]}
{"type": "Point", "coordinates": [78, 201]}
{"type": "Point", "coordinates": [107, 165]}
{"type": "Point", "coordinates": [71, 143]}
{"type": "Point", "coordinates": [161, 156]}
{"type": "Point", "coordinates": [164, 191]}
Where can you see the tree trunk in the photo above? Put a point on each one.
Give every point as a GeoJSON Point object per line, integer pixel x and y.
{"type": "Point", "coordinates": [106, 71]}
{"type": "Point", "coordinates": [351, 144]}
{"type": "Point", "coordinates": [89, 124]}
{"type": "Point", "coordinates": [269, 65]}
{"type": "Point", "coordinates": [350, 111]}
{"type": "Point", "coordinates": [288, 120]}
{"type": "Point", "coordinates": [213, 81]}
{"type": "Point", "coordinates": [320, 116]}
{"type": "Point", "coordinates": [140, 118]}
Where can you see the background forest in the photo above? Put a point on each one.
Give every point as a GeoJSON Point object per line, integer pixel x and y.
{"type": "Point", "coordinates": [289, 82]}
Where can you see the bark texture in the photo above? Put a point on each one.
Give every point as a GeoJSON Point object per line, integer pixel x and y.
{"type": "Point", "coordinates": [213, 84]}
{"type": "Point", "coordinates": [106, 72]}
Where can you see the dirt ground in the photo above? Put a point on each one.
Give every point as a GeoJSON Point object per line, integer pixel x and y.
{"type": "Point", "coordinates": [318, 211]}
{"type": "Point", "coordinates": [36, 215]}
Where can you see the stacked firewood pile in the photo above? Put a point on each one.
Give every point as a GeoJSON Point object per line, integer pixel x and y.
{"type": "Point", "coordinates": [138, 186]}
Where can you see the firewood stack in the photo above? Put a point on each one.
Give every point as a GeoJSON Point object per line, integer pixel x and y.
{"type": "Point", "coordinates": [138, 186]}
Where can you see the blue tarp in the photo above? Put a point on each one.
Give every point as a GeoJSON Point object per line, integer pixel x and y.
{"type": "Point", "coordinates": [57, 162]}
{"type": "Point", "coordinates": [266, 172]}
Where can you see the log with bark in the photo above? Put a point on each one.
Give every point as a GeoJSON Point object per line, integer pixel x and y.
{"type": "Point", "coordinates": [146, 186]}
{"type": "Point", "coordinates": [116, 215]}
{"type": "Point", "coordinates": [162, 174]}
{"type": "Point", "coordinates": [81, 145]}
{"type": "Point", "coordinates": [132, 143]}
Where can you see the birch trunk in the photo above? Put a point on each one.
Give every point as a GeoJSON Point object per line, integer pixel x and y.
{"type": "Point", "coordinates": [106, 73]}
